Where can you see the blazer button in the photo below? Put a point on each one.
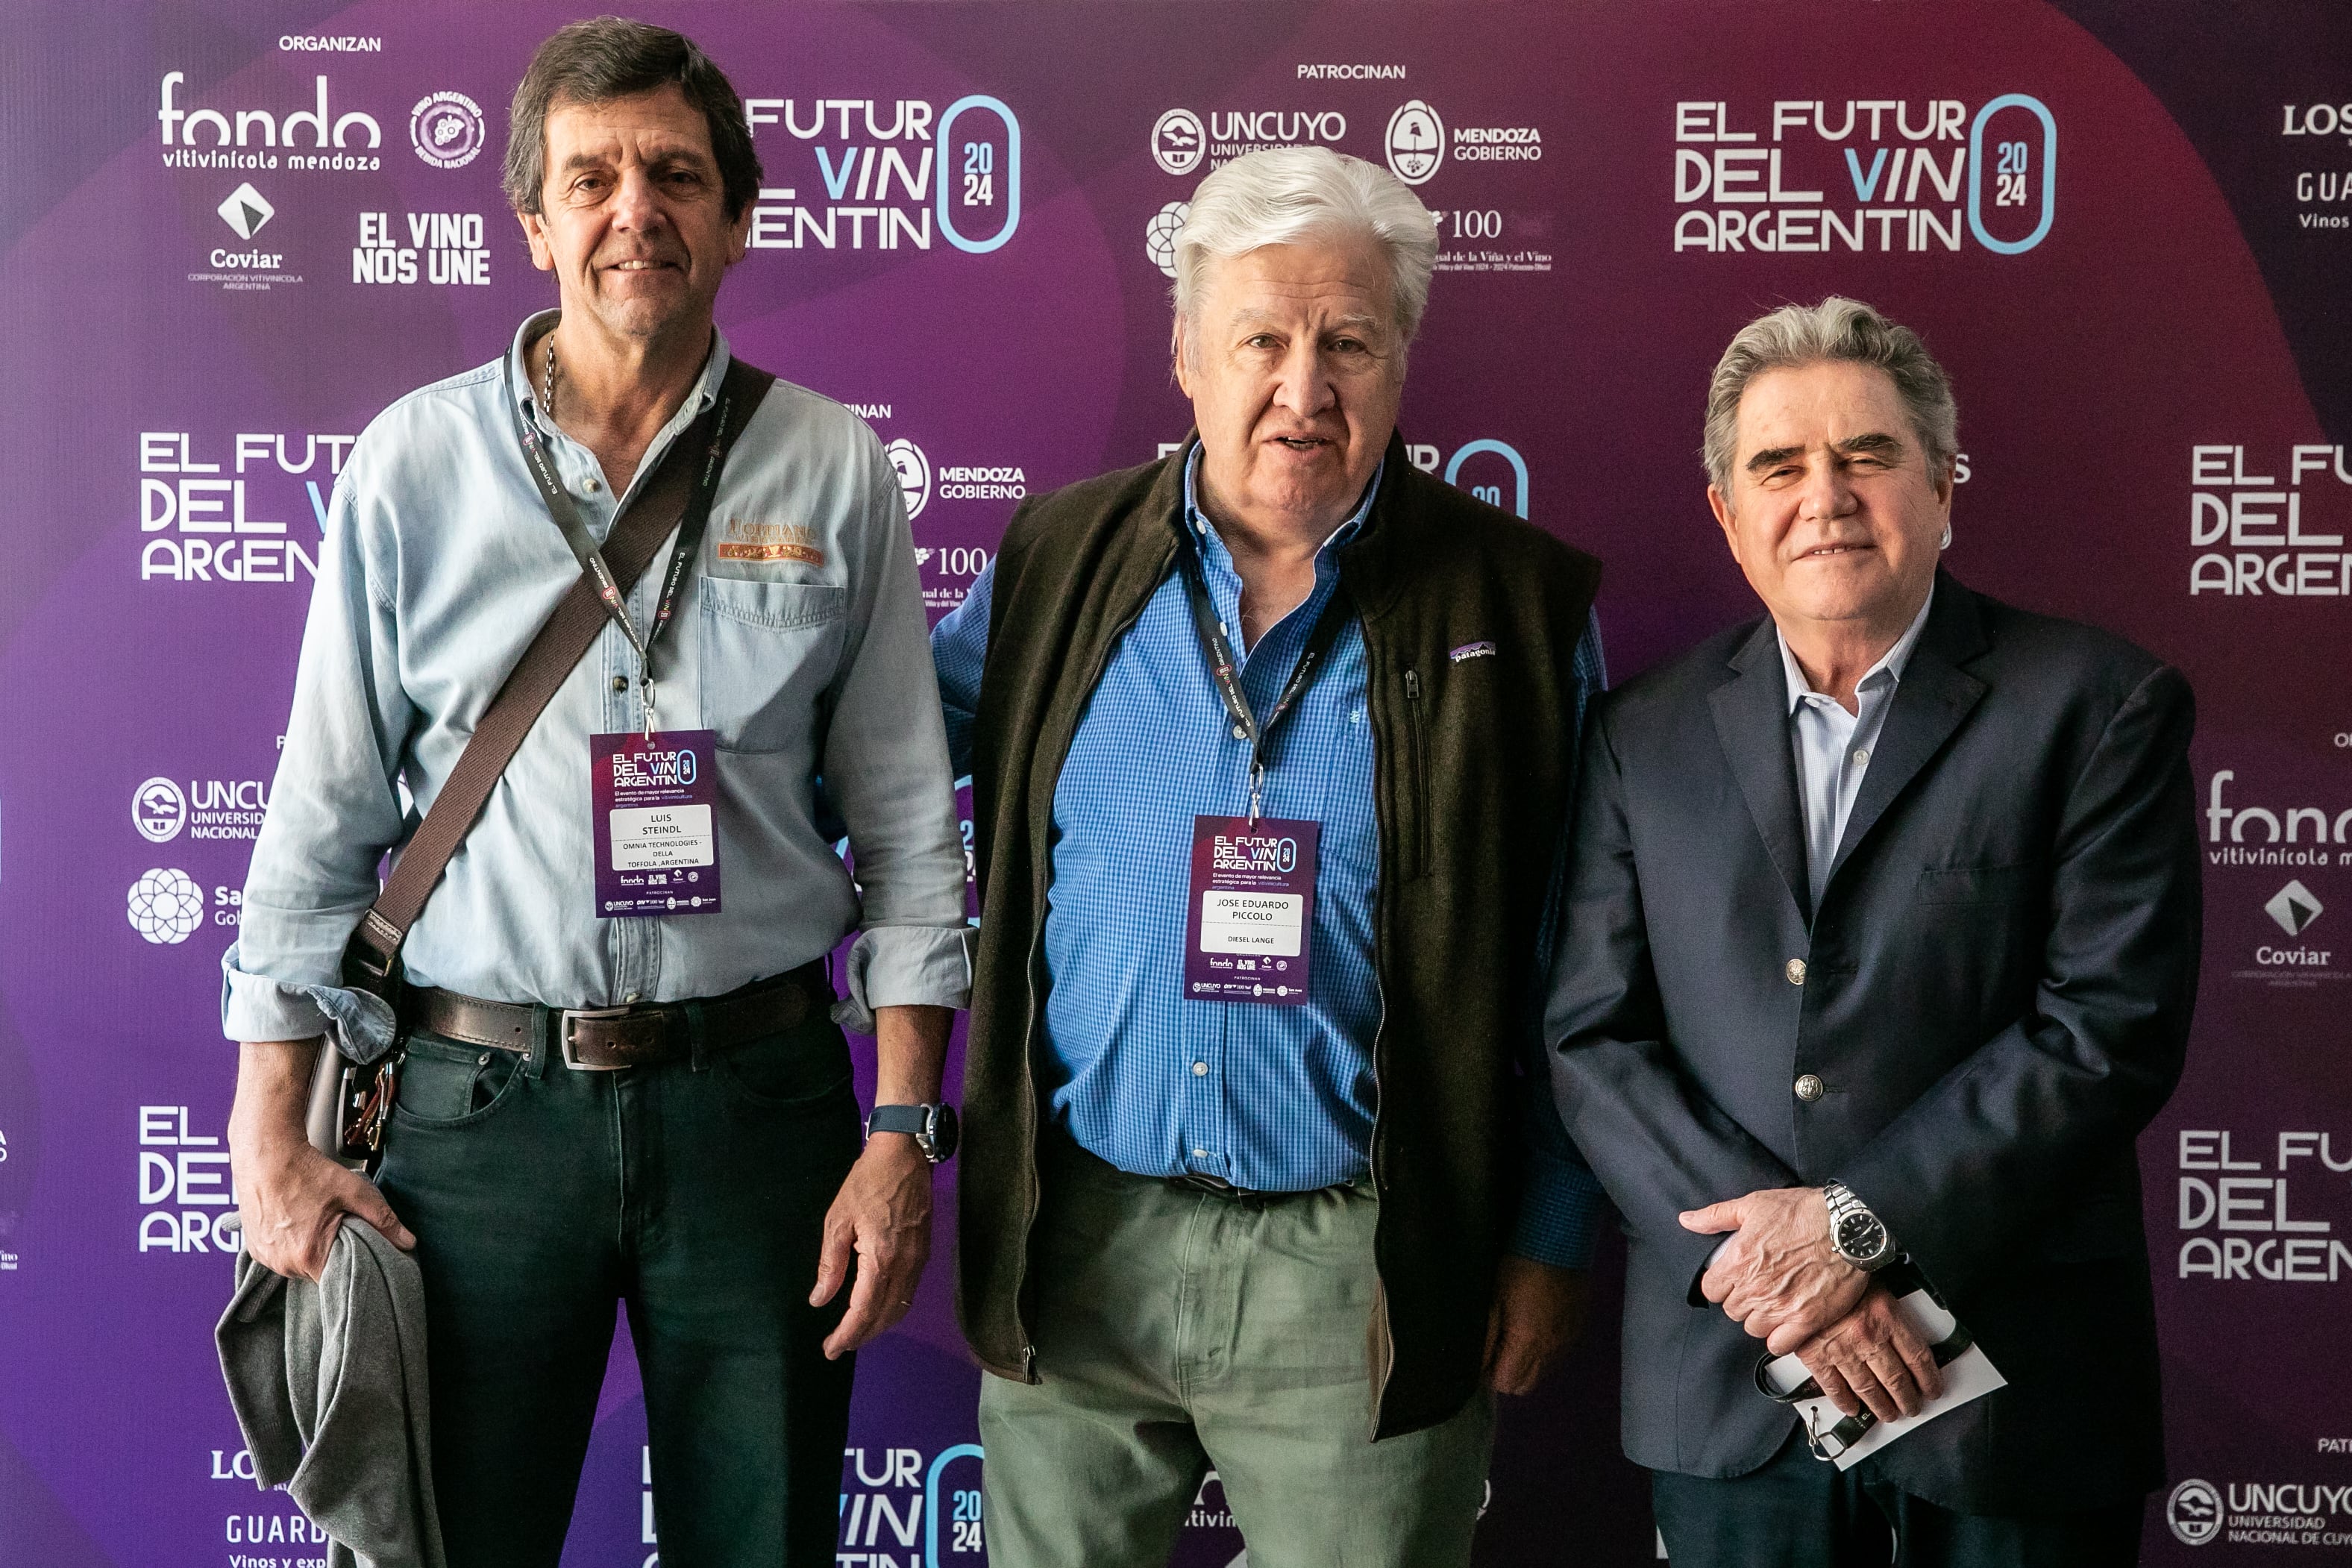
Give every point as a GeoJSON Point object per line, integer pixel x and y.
{"type": "Point", "coordinates": [1795, 970]}
{"type": "Point", "coordinates": [1809, 1088]}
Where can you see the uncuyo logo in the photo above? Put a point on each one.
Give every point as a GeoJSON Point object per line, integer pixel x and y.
{"type": "Point", "coordinates": [166, 906]}
{"type": "Point", "coordinates": [159, 810]}
{"type": "Point", "coordinates": [2194, 1512]}
{"type": "Point", "coordinates": [1178, 142]}
{"type": "Point", "coordinates": [914, 472]}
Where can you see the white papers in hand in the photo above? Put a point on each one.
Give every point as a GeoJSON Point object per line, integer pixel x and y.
{"type": "Point", "coordinates": [1968, 1376]}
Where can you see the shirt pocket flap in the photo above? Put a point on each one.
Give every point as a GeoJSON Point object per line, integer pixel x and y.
{"type": "Point", "coordinates": [779, 606]}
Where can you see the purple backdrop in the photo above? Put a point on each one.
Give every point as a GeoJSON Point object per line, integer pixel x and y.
{"type": "Point", "coordinates": [234, 231]}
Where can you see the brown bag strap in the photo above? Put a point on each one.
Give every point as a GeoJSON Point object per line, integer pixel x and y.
{"type": "Point", "coordinates": [370, 961]}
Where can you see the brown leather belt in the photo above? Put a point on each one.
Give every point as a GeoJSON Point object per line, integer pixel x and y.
{"type": "Point", "coordinates": [602, 1039]}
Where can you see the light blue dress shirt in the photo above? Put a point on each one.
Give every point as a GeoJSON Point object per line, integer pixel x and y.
{"type": "Point", "coordinates": [1279, 1099]}
{"type": "Point", "coordinates": [798, 638]}
{"type": "Point", "coordinates": [1833, 746]}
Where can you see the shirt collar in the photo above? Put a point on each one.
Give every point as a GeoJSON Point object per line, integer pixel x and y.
{"type": "Point", "coordinates": [1212, 545]}
{"type": "Point", "coordinates": [523, 380]}
{"type": "Point", "coordinates": [1889, 665]}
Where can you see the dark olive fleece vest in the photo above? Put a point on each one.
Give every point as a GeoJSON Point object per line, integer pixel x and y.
{"type": "Point", "coordinates": [1474, 758]}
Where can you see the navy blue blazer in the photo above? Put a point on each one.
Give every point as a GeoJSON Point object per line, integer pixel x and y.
{"type": "Point", "coordinates": [1995, 992]}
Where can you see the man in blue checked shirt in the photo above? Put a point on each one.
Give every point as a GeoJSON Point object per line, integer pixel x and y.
{"type": "Point", "coordinates": [1271, 745]}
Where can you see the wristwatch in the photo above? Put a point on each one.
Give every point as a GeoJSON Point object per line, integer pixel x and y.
{"type": "Point", "coordinates": [934, 1126]}
{"type": "Point", "coordinates": [1858, 1236]}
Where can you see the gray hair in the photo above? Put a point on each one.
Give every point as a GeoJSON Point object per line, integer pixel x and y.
{"type": "Point", "coordinates": [1837, 330]}
{"type": "Point", "coordinates": [1280, 195]}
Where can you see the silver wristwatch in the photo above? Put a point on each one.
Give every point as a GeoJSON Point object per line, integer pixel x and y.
{"type": "Point", "coordinates": [1858, 1236]}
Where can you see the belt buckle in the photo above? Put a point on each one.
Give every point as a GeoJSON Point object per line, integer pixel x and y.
{"type": "Point", "coordinates": [564, 1036]}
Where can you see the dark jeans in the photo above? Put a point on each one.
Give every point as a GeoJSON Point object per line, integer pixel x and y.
{"type": "Point", "coordinates": [1799, 1512]}
{"type": "Point", "coordinates": [695, 1194]}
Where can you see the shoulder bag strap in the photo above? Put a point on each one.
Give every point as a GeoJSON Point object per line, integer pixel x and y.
{"type": "Point", "coordinates": [370, 962]}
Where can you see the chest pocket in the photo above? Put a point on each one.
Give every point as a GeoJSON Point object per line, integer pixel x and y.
{"type": "Point", "coordinates": [768, 651]}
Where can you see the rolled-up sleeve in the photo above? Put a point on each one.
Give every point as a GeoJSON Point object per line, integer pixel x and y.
{"type": "Point", "coordinates": [886, 765]}
{"type": "Point", "coordinates": [335, 810]}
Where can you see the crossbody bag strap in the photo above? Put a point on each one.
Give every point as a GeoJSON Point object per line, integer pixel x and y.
{"type": "Point", "coordinates": [372, 959]}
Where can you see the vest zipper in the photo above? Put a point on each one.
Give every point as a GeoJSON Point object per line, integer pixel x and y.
{"type": "Point", "coordinates": [1040, 884]}
{"type": "Point", "coordinates": [1419, 772]}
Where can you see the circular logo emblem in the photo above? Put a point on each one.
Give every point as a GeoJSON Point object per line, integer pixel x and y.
{"type": "Point", "coordinates": [166, 906]}
{"type": "Point", "coordinates": [2194, 1511]}
{"type": "Point", "coordinates": [914, 472]}
{"type": "Point", "coordinates": [446, 129]}
{"type": "Point", "coordinates": [1159, 235]}
{"type": "Point", "coordinates": [159, 810]}
{"type": "Point", "coordinates": [1416, 142]}
{"type": "Point", "coordinates": [1178, 140]}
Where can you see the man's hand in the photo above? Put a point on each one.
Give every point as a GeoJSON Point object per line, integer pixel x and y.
{"type": "Point", "coordinates": [1873, 1356]}
{"type": "Point", "coordinates": [1539, 1312]}
{"type": "Point", "coordinates": [291, 1199]}
{"type": "Point", "coordinates": [1778, 1277]}
{"type": "Point", "coordinates": [882, 1217]}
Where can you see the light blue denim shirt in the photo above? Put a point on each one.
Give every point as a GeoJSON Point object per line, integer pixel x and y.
{"type": "Point", "coordinates": [1833, 746]}
{"type": "Point", "coordinates": [799, 638]}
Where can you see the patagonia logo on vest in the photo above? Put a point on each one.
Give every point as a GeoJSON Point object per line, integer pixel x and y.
{"type": "Point", "coordinates": [1472, 651]}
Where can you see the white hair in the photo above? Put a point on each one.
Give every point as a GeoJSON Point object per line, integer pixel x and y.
{"type": "Point", "coordinates": [1280, 195]}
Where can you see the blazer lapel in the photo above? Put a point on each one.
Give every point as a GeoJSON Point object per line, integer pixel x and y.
{"type": "Point", "coordinates": [1751, 720]}
{"type": "Point", "coordinates": [1930, 700]}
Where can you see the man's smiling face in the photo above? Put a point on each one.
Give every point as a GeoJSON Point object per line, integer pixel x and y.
{"type": "Point", "coordinates": [632, 215]}
{"type": "Point", "coordinates": [1832, 512]}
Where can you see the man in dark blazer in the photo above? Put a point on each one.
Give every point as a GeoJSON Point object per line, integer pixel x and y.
{"type": "Point", "coordinates": [1880, 941]}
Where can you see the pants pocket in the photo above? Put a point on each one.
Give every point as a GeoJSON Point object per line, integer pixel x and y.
{"type": "Point", "coordinates": [447, 1082]}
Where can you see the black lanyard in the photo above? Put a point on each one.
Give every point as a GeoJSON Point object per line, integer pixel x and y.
{"type": "Point", "coordinates": [1225, 672]}
{"type": "Point", "coordinates": [541, 464]}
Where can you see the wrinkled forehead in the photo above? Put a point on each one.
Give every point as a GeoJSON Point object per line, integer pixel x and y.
{"type": "Point", "coordinates": [1826, 404]}
{"type": "Point", "coordinates": [1319, 277]}
{"type": "Point", "coordinates": [660, 125]}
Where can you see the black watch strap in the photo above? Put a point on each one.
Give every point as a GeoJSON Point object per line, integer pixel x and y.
{"type": "Point", "coordinates": [934, 1126]}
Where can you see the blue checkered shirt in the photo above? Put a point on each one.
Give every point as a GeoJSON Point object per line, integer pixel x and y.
{"type": "Point", "coordinates": [1279, 1099]}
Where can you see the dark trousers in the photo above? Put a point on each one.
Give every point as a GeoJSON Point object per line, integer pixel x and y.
{"type": "Point", "coordinates": [1801, 1512]}
{"type": "Point", "coordinates": [695, 1194]}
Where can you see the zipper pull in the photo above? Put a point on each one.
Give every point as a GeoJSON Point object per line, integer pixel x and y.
{"type": "Point", "coordinates": [1412, 686]}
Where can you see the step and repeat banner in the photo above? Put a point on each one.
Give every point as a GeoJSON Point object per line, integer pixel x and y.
{"type": "Point", "coordinates": [234, 231]}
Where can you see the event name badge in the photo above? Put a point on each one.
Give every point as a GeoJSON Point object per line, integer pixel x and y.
{"type": "Point", "coordinates": [657, 842]}
{"type": "Point", "coordinates": [1252, 909]}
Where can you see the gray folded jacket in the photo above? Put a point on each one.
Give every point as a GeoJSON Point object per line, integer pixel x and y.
{"type": "Point", "coordinates": [328, 1380]}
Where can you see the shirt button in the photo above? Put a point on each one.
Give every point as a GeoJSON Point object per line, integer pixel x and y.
{"type": "Point", "coordinates": [1240, 733]}
{"type": "Point", "coordinates": [1200, 1069]}
{"type": "Point", "coordinates": [1200, 1153]}
{"type": "Point", "coordinates": [1810, 1088]}
{"type": "Point", "coordinates": [633, 998]}
{"type": "Point", "coordinates": [1860, 756]}
{"type": "Point", "coordinates": [594, 485]}
{"type": "Point", "coordinates": [1795, 970]}
{"type": "Point", "coordinates": [620, 683]}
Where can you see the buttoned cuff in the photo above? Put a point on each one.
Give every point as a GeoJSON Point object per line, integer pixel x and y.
{"type": "Point", "coordinates": [905, 966]}
{"type": "Point", "coordinates": [255, 1007]}
{"type": "Point", "coordinates": [1559, 1214]}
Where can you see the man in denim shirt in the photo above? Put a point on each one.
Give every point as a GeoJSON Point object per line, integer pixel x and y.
{"type": "Point", "coordinates": [654, 1109]}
